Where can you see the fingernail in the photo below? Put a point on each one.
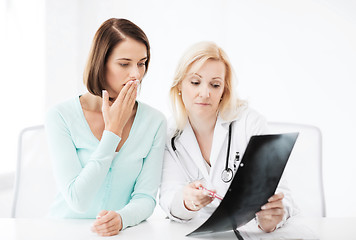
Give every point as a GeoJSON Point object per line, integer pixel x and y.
{"type": "Point", "coordinates": [206, 193]}
{"type": "Point", "coordinates": [263, 207]}
{"type": "Point", "coordinates": [98, 217]}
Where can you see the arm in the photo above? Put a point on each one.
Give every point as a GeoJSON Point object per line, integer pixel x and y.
{"type": "Point", "coordinates": [176, 188]}
{"type": "Point", "coordinates": [78, 184]}
{"type": "Point", "coordinates": [280, 206]}
{"type": "Point", "coordinates": [143, 198]}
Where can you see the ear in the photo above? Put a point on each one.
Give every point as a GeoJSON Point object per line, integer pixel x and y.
{"type": "Point", "coordinates": [179, 87]}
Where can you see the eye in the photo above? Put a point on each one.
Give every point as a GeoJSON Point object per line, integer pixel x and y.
{"type": "Point", "coordinates": [141, 64]}
{"type": "Point", "coordinates": [194, 82]}
{"type": "Point", "coordinates": [215, 85]}
{"type": "Point", "coordinates": [123, 64]}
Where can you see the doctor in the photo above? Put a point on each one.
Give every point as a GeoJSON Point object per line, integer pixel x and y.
{"type": "Point", "coordinates": [208, 138]}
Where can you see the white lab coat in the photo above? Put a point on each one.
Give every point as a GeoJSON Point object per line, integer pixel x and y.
{"type": "Point", "coordinates": [187, 164]}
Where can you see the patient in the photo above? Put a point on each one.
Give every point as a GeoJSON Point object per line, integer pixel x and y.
{"type": "Point", "coordinates": [106, 147]}
{"type": "Point", "coordinates": [206, 108]}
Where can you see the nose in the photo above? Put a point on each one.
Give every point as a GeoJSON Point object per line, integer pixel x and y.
{"type": "Point", "coordinates": [204, 91]}
{"type": "Point", "coordinates": [135, 73]}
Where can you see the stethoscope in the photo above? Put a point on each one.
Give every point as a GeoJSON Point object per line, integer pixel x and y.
{"type": "Point", "coordinates": [227, 174]}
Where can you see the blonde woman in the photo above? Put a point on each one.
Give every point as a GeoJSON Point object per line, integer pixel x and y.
{"type": "Point", "coordinates": [207, 110]}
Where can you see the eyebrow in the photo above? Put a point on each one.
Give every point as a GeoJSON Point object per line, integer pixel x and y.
{"type": "Point", "coordinates": [128, 59]}
{"type": "Point", "coordinates": [197, 74]}
{"type": "Point", "coordinates": [214, 78]}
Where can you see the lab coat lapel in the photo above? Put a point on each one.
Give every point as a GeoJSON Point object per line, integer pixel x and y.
{"type": "Point", "coordinates": [190, 144]}
{"type": "Point", "coordinates": [221, 132]}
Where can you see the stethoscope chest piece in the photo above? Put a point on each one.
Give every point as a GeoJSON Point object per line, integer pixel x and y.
{"type": "Point", "coordinates": [227, 175]}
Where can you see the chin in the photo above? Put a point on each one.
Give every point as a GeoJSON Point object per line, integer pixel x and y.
{"type": "Point", "coordinates": [203, 114]}
{"type": "Point", "coordinates": [112, 97]}
{"type": "Point", "coordinates": [113, 93]}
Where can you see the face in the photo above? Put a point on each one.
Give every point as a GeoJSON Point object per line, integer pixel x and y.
{"type": "Point", "coordinates": [202, 90]}
{"type": "Point", "coordinates": [126, 63]}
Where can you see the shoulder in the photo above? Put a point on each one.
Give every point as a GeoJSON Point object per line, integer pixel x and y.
{"type": "Point", "coordinates": [248, 114]}
{"type": "Point", "coordinates": [66, 114]}
{"type": "Point", "coordinates": [251, 121]}
{"type": "Point", "coordinates": [171, 127]}
{"type": "Point", "coordinates": [64, 109]}
{"type": "Point", "coordinates": [151, 111]}
{"type": "Point", "coordinates": [151, 116]}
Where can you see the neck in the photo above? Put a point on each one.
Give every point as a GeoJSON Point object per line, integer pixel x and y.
{"type": "Point", "coordinates": [91, 102]}
{"type": "Point", "coordinates": [94, 103]}
{"type": "Point", "coordinates": [202, 127]}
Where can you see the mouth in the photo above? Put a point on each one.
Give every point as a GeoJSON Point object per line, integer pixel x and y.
{"type": "Point", "coordinates": [203, 104]}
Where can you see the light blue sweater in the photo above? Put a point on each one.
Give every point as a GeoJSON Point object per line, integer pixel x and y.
{"type": "Point", "coordinates": [91, 177]}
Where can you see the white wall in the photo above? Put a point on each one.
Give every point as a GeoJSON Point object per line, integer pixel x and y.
{"type": "Point", "coordinates": [21, 72]}
{"type": "Point", "coordinates": [295, 62]}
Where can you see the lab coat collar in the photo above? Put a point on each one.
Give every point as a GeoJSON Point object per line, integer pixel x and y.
{"type": "Point", "coordinates": [188, 140]}
{"type": "Point", "coordinates": [221, 131]}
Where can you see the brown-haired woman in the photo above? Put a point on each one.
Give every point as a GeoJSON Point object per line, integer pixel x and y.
{"type": "Point", "coordinates": [106, 147]}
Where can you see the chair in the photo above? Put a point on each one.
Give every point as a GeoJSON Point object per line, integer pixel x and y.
{"type": "Point", "coordinates": [35, 187]}
{"type": "Point", "coordinates": [304, 173]}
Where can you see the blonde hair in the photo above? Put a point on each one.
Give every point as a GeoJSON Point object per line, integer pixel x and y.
{"type": "Point", "coordinates": [199, 53]}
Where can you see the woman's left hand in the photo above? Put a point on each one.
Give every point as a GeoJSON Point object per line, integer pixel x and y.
{"type": "Point", "coordinates": [107, 223]}
{"type": "Point", "coordinates": [271, 214]}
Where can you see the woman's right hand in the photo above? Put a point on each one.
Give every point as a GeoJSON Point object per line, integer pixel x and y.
{"type": "Point", "coordinates": [118, 113]}
{"type": "Point", "coordinates": [107, 223]}
{"type": "Point", "coordinates": [195, 198]}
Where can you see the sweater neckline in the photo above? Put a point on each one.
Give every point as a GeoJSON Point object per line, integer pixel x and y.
{"type": "Point", "coordinates": [86, 124]}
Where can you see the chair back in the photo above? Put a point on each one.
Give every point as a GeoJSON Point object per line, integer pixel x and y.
{"type": "Point", "coordinates": [35, 187]}
{"type": "Point", "coordinates": [304, 172]}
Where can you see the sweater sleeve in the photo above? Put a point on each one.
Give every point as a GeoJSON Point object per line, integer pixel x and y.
{"type": "Point", "coordinates": [78, 184]}
{"type": "Point", "coordinates": [143, 201]}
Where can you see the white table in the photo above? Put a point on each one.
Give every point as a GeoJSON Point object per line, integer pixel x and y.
{"type": "Point", "coordinates": [160, 228]}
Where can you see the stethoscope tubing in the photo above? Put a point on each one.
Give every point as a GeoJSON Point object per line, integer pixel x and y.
{"type": "Point", "coordinates": [228, 149]}
{"type": "Point", "coordinates": [227, 170]}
